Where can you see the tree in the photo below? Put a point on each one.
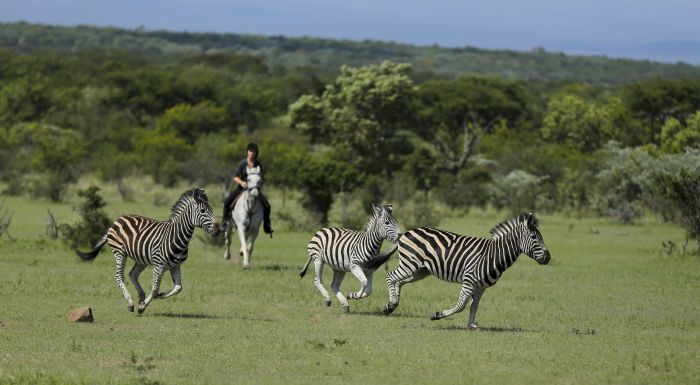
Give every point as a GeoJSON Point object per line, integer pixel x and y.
{"type": "Point", "coordinates": [361, 114]}
{"type": "Point", "coordinates": [50, 152]}
{"type": "Point", "coordinates": [572, 120]}
{"type": "Point", "coordinates": [676, 136]}
{"type": "Point", "coordinates": [189, 121]}
{"type": "Point", "coordinates": [455, 115]}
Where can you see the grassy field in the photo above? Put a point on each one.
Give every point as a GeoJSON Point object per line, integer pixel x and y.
{"type": "Point", "coordinates": [609, 309]}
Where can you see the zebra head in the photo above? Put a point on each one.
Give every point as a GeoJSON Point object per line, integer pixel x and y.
{"type": "Point", "coordinates": [385, 222]}
{"type": "Point", "coordinates": [203, 214]}
{"type": "Point", "coordinates": [531, 241]}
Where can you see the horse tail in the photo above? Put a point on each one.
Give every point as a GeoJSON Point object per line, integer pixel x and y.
{"type": "Point", "coordinates": [90, 256]}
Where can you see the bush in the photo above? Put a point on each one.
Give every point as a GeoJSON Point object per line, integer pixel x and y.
{"type": "Point", "coordinates": [94, 222]}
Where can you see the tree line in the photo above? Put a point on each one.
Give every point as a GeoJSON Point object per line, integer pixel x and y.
{"type": "Point", "coordinates": [373, 132]}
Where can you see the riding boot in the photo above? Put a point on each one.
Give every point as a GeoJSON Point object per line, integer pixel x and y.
{"type": "Point", "coordinates": [267, 226]}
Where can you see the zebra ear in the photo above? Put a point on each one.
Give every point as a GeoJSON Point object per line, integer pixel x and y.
{"type": "Point", "coordinates": [531, 220]}
{"type": "Point", "coordinates": [199, 195]}
{"type": "Point", "coordinates": [389, 208]}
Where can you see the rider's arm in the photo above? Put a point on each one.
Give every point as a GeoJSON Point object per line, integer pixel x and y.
{"type": "Point", "coordinates": [239, 172]}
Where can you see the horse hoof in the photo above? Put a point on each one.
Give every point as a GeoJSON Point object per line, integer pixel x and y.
{"type": "Point", "coordinates": [246, 267]}
{"type": "Point", "coordinates": [227, 257]}
{"type": "Point", "coordinates": [130, 308]}
{"type": "Point", "coordinates": [435, 316]}
{"type": "Point", "coordinates": [346, 309]}
{"type": "Point", "coordinates": [473, 326]}
{"type": "Point", "coordinates": [327, 302]}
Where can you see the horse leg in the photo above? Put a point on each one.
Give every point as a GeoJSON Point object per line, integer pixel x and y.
{"type": "Point", "coordinates": [227, 238]}
{"type": "Point", "coordinates": [252, 235]}
{"type": "Point", "coordinates": [244, 246]}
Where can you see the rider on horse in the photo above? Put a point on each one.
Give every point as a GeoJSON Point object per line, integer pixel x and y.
{"type": "Point", "coordinates": [239, 179]}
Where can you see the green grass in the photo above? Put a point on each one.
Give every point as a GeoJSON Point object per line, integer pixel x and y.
{"type": "Point", "coordinates": [609, 309]}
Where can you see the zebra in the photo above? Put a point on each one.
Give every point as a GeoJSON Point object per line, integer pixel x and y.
{"type": "Point", "coordinates": [352, 251]}
{"type": "Point", "coordinates": [162, 244]}
{"type": "Point", "coordinates": [476, 263]}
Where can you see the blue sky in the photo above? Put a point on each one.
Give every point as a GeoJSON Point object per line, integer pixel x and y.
{"type": "Point", "coordinates": [666, 30]}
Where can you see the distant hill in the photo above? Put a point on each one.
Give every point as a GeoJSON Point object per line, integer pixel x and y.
{"type": "Point", "coordinates": [329, 55]}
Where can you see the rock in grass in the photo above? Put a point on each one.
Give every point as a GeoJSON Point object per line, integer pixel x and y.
{"type": "Point", "coordinates": [81, 314]}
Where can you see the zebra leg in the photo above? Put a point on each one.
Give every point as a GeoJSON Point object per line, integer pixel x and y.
{"type": "Point", "coordinates": [357, 271]}
{"type": "Point", "coordinates": [119, 276]}
{"type": "Point", "coordinates": [318, 281]}
{"type": "Point", "coordinates": [134, 276]}
{"type": "Point", "coordinates": [476, 297]}
{"type": "Point", "coordinates": [398, 278]}
{"type": "Point", "coordinates": [158, 271]}
{"type": "Point", "coordinates": [177, 280]}
{"type": "Point", "coordinates": [337, 279]}
{"type": "Point", "coordinates": [464, 296]}
{"type": "Point", "coordinates": [368, 289]}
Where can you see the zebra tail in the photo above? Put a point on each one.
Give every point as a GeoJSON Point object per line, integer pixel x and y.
{"type": "Point", "coordinates": [303, 272]}
{"type": "Point", "coordinates": [382, 258]}
{"type": "Point", "coordinates": [92, 254]}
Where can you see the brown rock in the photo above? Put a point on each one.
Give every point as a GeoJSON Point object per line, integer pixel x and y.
{"type": "Point", "coordinates": [81, 314]}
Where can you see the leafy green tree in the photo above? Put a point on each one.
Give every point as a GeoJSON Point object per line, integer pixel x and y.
{"type": "Point", "coordinates": [676, 137]}
{"type": "Point", "coordinates": [655, 101]}
{"type": "Point", "coordinates": [572, 120]}
{"type": "Point", "coordinates": [190, 121]}
{"type": "Point", "coordinates": [50, 152]}
{"type": "Point", "coordinates": [159, 154]}
{"type": "Point", "coordinates": [361, 114]}
{"type": "Point", "coordinates": [93, 221]}
{"type": "Point", "coordinates": [455, 115]}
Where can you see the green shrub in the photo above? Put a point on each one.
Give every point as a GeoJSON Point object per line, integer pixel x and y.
{"type": "Point", "coordinates": [93, 224]}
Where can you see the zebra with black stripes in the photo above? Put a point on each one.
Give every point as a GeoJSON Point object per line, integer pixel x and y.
{"type": "Point", "coordinates": [162, 244]}
{"type": "Point", "coordinates": [476, 263]}
{"type": "Point", "coordinates": [346, 250]}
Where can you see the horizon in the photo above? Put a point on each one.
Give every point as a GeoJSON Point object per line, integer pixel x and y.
{"type": "Point", "coordinates": [656, 32]}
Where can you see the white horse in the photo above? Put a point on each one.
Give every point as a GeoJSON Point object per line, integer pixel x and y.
{"type": "Point", "coordinates": [247, 214]}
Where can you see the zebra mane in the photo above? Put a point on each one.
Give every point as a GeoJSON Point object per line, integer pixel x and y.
{"type": "Point", "coordinates": [196, 195]}
{"type": "Point", "coordinates": [505, 227]}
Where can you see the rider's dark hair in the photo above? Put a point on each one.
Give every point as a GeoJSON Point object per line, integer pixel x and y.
{"type": "Point", "coordinates": [253, 147]}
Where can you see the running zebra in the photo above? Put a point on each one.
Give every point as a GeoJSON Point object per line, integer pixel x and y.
{"type": "Point", "coordinates": [352, 251]}
{"type": "Point", "coordinates": [162, 244]}
{"type": "Point", "coordinates": [476, 263]}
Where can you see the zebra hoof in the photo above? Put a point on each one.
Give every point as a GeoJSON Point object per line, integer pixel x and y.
{"type": "Point", "coordinates": [473, 326]}
{"type": "Point", "coordinates": [388, 309]}
{"type": "Point", "coordinates": [327, 302]}
{"type": "Point", "coordinates": [435, 316]}
{"type": "Point", "coordinates": [346, 309]}
{"type": "Point", "coordinates": [130, 308]}
{"type": "Point", "coordinates": [141, 310]}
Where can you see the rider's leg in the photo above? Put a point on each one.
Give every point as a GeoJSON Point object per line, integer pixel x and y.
{"type": "Point", "coordinates": [267, 226]}
{"type": "Point", "coordinates": [227, 203]}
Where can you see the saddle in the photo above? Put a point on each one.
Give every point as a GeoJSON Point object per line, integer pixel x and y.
{"type": "Point", "coordinates": [233, 204]}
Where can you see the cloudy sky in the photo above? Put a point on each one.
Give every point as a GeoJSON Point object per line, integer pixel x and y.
{"type": "Point", "coordinates": [666, 30]}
